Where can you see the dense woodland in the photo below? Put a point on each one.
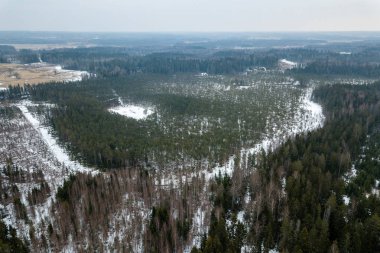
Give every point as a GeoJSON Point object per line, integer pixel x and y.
{"type": "Point", "coordinates": [162, 63]}
{"type": "Point", "coordinates": [312, 215]}
{"type": "Point", "coordinates": [9, 54]}
{"type": "Point", "coordinates": [308, 213]}
{"type": "Point", "coordinates": [123, 61]}
{"type": "Point", "coordinates": [9, 242]}
{"type": "Point", "coordinates": [192, 118]}
{"type": "Point", "coordinates": [341, 68]}
{"type": "Point", "coordinates": [316, 192]}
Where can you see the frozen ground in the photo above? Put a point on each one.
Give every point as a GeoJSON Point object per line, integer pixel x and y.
{"type": "Point", "coordinates": [59, 153]}
{"type": "Point", "coordinates": [71, 75]}
{"type": "Point", "coordinates": [137, 112]}
{"type": "Point", "coordinates": [133, 111]}
{"type": "Point", "coordinates": [35, 151]}
{"type": "Point", "coordinates": [32, 144]}
{"type": "Point", "coordinates": [286, 64]}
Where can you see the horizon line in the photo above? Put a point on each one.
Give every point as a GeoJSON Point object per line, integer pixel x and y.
{"type": "Point", "coordinates": [200, 32]}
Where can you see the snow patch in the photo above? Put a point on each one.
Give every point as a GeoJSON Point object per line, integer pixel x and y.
{"type": "Point", "coordinates": [137, 112]}
{"type": "Point", "coordinates": [350, 174]}
{"type": "Point", "coordinates": [69, 248]}
{"type": "Point", "coordinates": [243, 87]}
{"type": "Point", "coordinates": [375, 192]}
{"type": "Point", "coordinates": [346, 200]}
{"type": "Point", "coordinates": [240, 216]}
{"type": "Point", "coordinates": [199, 229]}
{"type": "Point", "coordinates": [133, 111]}
{"type": "Point", "coordinates": [286, 64]}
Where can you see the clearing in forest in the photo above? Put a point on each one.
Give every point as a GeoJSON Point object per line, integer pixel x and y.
{"type": "Point", "coordinates": [20, 74]}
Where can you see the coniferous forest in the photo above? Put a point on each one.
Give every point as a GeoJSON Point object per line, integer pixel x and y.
{"type": "Point", "coordinates": [323, 209]}
{"type": "Point", "coordinates": [226, 145]}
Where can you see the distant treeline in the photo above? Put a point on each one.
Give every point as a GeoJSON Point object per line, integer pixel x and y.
{"type": "Point", "coordinates": [365, 63]}
{"type": "Point", "coordinates": [341, 68]}
{"type": "Point", "coordinates": [9, 54]}
{"type": "Point", "coordinates": [118, 61]}
{"type": "Point", "coordinates": [105, 63]}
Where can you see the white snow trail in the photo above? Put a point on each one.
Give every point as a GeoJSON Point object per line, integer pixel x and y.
{"type": "Point", "coordinates": [308, 117]}
{"type": "Point", "coordinates": [60, 153]}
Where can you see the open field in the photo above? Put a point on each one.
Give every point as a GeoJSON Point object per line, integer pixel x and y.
{"type": "Point", "coordinates": [14, 74]}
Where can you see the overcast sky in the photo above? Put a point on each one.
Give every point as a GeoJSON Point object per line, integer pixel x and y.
{"type": "Point", "coordinates": [190, 15]}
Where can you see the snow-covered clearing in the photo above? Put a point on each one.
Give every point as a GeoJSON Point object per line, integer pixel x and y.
{"type": "Point", "coordinates": [133, 111]}
{"type": "Point", "coordinates": [286, 64]}
{"type": "Point", "coordinates": [243, 87]}
{"type": "Point", "coordinates": [137, 112]}
{"type": "Point", "coordinates": [71, 75]}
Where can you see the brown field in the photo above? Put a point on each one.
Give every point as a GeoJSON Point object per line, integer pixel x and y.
{"type": "Point", "coordinates": [14, 74]}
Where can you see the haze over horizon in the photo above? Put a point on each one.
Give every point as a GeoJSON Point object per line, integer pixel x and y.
{"type": "Point", "coordinates": [190, 15]}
